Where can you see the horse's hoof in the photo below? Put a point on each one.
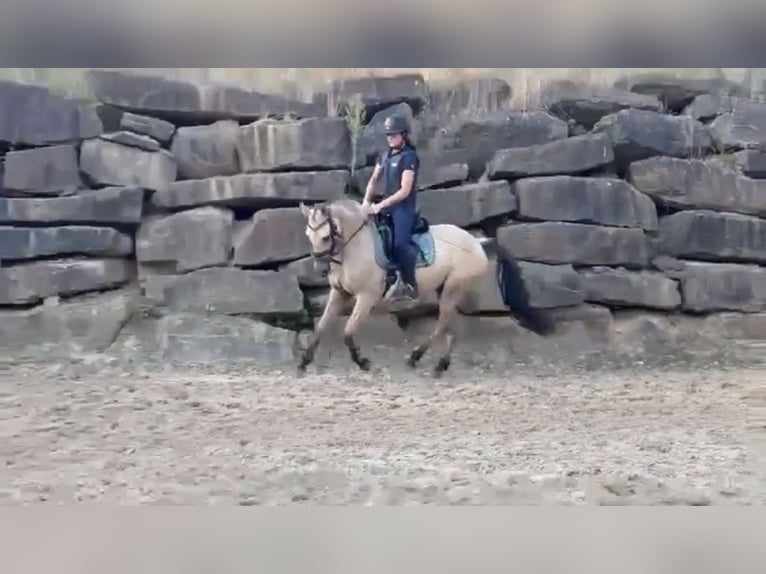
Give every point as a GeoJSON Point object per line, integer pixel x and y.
{"type": "Point", "coordinates": [441, 367]}
{"type": "Point", "coordinates": [364, 364]}
{"type": "Point", "coordinates": [414, 357]}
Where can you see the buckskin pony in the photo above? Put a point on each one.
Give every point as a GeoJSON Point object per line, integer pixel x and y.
{"type": "Point", "coordinates": [450, 262]}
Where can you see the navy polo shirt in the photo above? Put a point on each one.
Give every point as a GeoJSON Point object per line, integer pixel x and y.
{"type": "Point", "coordinates": [393, 163]}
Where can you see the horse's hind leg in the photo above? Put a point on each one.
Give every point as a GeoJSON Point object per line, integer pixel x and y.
{"type": "Point", "coordinates": [448, 302]}
{"type": "Point", "coordinates": [364, 304]}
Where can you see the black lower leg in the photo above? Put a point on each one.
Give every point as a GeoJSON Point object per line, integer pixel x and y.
{"type": "Point", "coordinates": [416, 355]}
{"type": "Point", "coordinates": [442, 365]}
{"type": "Point", "coordinates": [356, 355]}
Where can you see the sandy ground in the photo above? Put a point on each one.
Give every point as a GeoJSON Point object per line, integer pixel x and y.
{"type": "Point", "coordinates": [610, 434]}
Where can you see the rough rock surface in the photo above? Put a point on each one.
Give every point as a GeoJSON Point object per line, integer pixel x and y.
{"type": "Point", "coordinates": [186, 102]}
{"type": "Point", "coordinates": [255, 189]}
{"type": "Point", "coordinates": [573, 156]}
{"type": "Point", "coordinates": [17, 243]}
{"type": "Point", "coordinates": [586, 105]}
{"type": "Point", "coordinates": [195, 339]}
{"type": "Point", "coordinates": [306, 272]}
{"type": "Point", "coordinates": [723, 287]}
{"type": "Point", "coordinates": [677, 93]}
{"type": "Point", "coordinates": [468, 97]}
{"type": "Point", "coordinates": [271, 236]}
{"type": "Point", "coordinates": [744, 127]}
{"type": "Point", "coordinates": [206, 151]}
{"type": "Point", "coordinates": [312, 143]}
{"type": "Point", "coordinates": [752, 162]}
{"type": "Point", "coordinates": [436, 170]}
{"type": "Point", "coordinates": [561, 242]}
{"type": "Point", "coordinates": [604, 201]}
{"type": "Point", "coordinates": [155, 128]}
{"type": "Point", "coordinates": [32, 115]}
{"type": "Point", "coordinates": [706, 107]}
{"type": "Point", "coordinates": [640, 134]}
{"type": "Point", "coordinates": [620, 287]}
{"type": "Point", "coordinates": [32, 282]}
{"type": "Point", "coordinates": [42, 171]}
{"type": "Point", "coordinates": [467, 204]}
{"type": "Point", "coordinates": [375, 94]}
{"type": "Point", "coordinates": [109, 163]}
{"type": "Point", "coordinates": [109, 205]}
{"type": "Point", "coordinates": [694, 183]}
{"type": "Point", "coordinates": [85, 325]}
{"type": "Point", "coordinates": [711, 236]}
{"type": "Point", "coordinates": [131, 139]}
{"type": "Point", "coordinates": [479, 138]}
{"type": "Point", "coordinates": [227, 291]}
{"type": "Point", "coordinates": [187, 240]}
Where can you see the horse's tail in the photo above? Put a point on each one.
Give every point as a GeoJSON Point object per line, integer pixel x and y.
{"type": "Point", "coordinates": [516, 296]}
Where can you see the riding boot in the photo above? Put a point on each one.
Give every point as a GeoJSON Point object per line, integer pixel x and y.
{"type": "Point", "coordinates": [409, 288]}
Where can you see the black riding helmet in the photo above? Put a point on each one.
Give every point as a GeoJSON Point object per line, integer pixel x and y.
{"type": "Point", "coordinates": [396, 125]}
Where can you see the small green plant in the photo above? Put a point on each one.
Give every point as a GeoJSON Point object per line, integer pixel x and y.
{"type": "Point", "coordinates": [355, 121]}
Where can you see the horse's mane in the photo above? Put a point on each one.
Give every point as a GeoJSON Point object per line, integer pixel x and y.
{"type": "Point", "coordinates": [346, 209]}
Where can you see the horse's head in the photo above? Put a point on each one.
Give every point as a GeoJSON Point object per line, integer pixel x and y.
{"type": "Point", "coordinates": [323, 231]}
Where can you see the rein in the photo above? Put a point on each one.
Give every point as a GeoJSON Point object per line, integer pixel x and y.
{"type": "Point", "coordinates": [337, 244]}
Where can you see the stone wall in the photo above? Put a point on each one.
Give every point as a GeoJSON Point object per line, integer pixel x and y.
{"type": "Point", "coordinates": [167, 215]}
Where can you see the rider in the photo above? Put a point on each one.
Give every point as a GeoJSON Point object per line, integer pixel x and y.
{"type": "Point", "coordinates": [399, 166]}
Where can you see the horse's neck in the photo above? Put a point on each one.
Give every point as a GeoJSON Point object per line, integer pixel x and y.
{"type": "Point", "coordinates": [358, 243]}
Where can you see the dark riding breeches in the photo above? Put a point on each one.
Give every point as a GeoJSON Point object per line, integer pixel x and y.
{"type": "Point", "coordinates": [403, 222]}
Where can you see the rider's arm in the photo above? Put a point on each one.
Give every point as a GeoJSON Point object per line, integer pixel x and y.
{"type": "Point", "coordinates": [371, 183]}
{"type": "Point", "coordinates": [410, 167]}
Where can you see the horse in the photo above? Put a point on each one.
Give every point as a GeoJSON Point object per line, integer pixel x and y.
{"type": "Point", "coordinates": [450, 261]}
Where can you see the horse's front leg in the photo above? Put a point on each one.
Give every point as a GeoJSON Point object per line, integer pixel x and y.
{"type": "Point", "coordinates": [335, 302]}
{"type": "Point", "coordinates": [362, 308]}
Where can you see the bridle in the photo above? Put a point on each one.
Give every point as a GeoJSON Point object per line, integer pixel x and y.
{"type": "Point", "coordinates": [337, 244]}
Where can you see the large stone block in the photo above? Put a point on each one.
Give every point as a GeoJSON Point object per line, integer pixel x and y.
{"type": "Point", "coordinates": [130, 139]}
{"type": "Point", "coordinates": [694, 183]}
{"type": "Point", "coordinates": [709, 287]}
{"type": "Point", "coordinates": [706, 107]}
{"type": "Point", "coordinates": [622, 288]}
{"type": "Point", "coordinates": [255, 189]}
{"type": "Point", "coordinates": [375, 94]}
{"type": "Point", "coordinates": [604, 201]}
{"type": "Point", "coordinates": [744, 127]}
{"type": "Point", "coordinates": [272, 236]}
{"type": "Point", "coordinates": [677, 93]}
{"type": "Point", "coordinates": [155, 128]}
{"type": "Point", "coordinates": [17, 243]}
{"type": "Point", "coordinates": [308, 272]}
{"type": "Point", "coordinates": [470, 96]}
{"type": "Point", "coordinates": [109, 205]}
{"type": "Point", "coordinates": [219, 340]}
{"type": "Point", "coordinates": [228, 291]}
{"type": "Point", "coordinates": [312, 143]}
{"type": "Point", "coordinates": [712, 236]}
{"type": "Point", "coordinates": [548, 286]}
{"type": "Point", "coordinates": [640, 134]}
{"type": "Point", "coordinates": [42, 171]}
{"type": "Point", "coordinates": [84, 325]}
{"type": "Point", "coordinates": [32, 282]}
{"type": "Point", "coordinates": [436, 170]}
{"type": "Point", "coordinates": [574, 155]}
{"type": "Point", "coordinates": [109, 163]}
{"type": "Point", "coordinates": [467, 204]}
{"type": "Point", "coordinates": [586, 105]}
{"type": "Point", "coordinates": [187, 240]}
{"type": "Point", "coordinates": [32, 115]}
{"type": "Point", "coordinates": [479, 138]}
{"type": "Point", "coordinates": [752, 162]}
{"type": "Point", "coordinates": [559, 243]}
{"type": "Point", "coordinates": [206, 151]}
{"type": "Point", "coordinates": [185, 102]}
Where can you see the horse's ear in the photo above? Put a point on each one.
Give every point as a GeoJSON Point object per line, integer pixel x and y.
{"type": "Point", "coordinates": [305, 210]}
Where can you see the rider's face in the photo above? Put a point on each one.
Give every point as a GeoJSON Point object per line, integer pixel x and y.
{"type": "Point", "coordinates": [395, 140]}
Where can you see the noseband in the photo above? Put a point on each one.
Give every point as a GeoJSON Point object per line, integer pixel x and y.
{"type": "Point", "coordinates": [336, 238]}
